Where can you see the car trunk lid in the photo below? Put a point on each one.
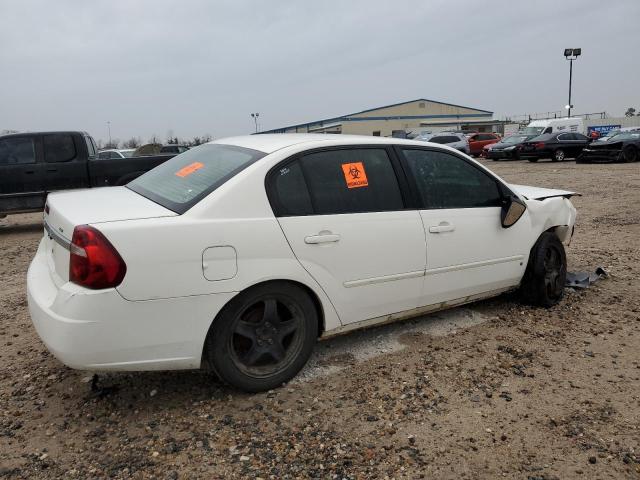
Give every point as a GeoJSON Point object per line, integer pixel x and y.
{"type": "Point", "coordinates": [65, 210]}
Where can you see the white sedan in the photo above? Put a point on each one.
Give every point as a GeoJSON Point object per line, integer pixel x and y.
{"type": "Point", "coordinates": [239, 254]}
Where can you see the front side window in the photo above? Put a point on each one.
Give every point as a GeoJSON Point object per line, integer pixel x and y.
{"type": "Point", "coordinates": [104, 155]}
{"type": "Point", "coordinates": [17, 151]}
{"type": "Point", "coordinates": [181, 182]}
{"type": "Point", "coordinates": [447, 181]}
{"type": "Point", "coordinates": [59, 148]}
{"type": "Point", "coordinates": [341, 181]}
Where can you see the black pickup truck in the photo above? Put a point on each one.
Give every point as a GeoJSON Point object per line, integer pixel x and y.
{"type": "Point", "coordinates": [34, 164]}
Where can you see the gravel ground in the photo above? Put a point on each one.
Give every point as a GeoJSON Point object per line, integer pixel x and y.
{"type": "Point", "coordinates": [492, 390]}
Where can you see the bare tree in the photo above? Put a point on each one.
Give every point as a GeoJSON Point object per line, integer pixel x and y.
{"type": "Point", "coordinates": [133, 142]}
{"type": "Point", "coordinates": [630, 112]}
{"type": "Point", "coordinates": [155, 140]}
{"type": "Point", "coordinates": [207, 138]}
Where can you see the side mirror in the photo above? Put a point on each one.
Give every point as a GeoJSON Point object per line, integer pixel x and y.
{"type": "Point", "coordinates": [512, 210]}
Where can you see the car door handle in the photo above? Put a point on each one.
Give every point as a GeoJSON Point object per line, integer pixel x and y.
{"type": "Point", "coordinates": [442, 227]}
{"type": "Point", "coordinates": [52, 169]}
{"type": "Point", "coordinates": [322, 238]}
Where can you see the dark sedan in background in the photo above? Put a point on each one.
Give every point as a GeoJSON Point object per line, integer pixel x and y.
{"type": "Point", "coordinates": [623, 147]}
{"type": "Point", "coordinates": [507, 148]}
{"type": "Point", "coordinates": [556, 146]}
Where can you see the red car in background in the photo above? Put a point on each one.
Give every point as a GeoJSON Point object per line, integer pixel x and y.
{"type": "Point", "coordinates": [478, 140]}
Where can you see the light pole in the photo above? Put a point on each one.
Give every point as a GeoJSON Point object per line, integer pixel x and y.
{"type": "Point", "coordinates": [255, 119]}
{"type": "Point", "coordinates": [109, 128]}
{"type": "Point", "coordinates": [571, 54]}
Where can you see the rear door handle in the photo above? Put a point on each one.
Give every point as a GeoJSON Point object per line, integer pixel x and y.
{"type": "Point", "coordinates": [52, 169]}
{"type": "Point", "coordinates": [442, 227]}
{"type": "Point", "coordinates": [322, 238]}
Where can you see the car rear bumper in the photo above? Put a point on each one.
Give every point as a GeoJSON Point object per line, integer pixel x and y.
{"type": "Point", "coordinates": [100, 330]}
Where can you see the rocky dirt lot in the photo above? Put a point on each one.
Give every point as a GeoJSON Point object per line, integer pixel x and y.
{"type": "Point", "coordinates": [494, 390]}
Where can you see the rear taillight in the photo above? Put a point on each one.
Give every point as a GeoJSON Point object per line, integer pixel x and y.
{"type": "Point", "coordinates": [539, 145]}
{"type": "Point", "coordinates": [94, 262]}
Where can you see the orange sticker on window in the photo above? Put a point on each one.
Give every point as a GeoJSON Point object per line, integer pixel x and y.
{"type": "Point", "coordinates": [355, 175]}
{"type": "Point", "coordinates": [189, 169]}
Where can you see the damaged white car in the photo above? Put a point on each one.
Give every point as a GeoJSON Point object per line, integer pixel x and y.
{"type": "Point", "coordinates": [239, 254]}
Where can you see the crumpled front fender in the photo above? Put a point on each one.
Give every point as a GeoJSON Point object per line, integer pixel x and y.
{"type": "Point", "coordinates": [557, 213]}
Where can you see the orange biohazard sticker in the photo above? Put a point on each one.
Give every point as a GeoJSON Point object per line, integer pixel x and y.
{"type": "Point", "coordinates": [355, 175]}
{"type": "Point", "coordinates": [189, 169]}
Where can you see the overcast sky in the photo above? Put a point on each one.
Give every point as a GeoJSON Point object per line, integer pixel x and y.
{"type": "Point", "coordinates": [197, 67]}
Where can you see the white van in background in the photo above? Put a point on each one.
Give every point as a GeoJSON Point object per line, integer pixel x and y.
{"type": "Point", "coordinates": [553, 125]}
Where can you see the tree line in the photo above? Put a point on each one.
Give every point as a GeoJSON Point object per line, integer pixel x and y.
{"type": "Point", "coordinates": [135, 142]}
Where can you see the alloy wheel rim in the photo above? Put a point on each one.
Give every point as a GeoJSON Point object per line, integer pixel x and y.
{"type": "Point", "coordinates": [266, 337]}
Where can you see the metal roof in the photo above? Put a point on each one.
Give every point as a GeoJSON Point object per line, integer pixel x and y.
{"type": "Point", "coordinates": [347, 117]}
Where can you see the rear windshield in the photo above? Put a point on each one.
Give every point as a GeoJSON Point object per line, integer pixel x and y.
{"type": "Point", "coordinates": [178, 184]}
{"type": "Point", "coordinates": [445, 139]}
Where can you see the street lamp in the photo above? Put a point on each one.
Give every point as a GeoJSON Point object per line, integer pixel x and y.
{"type": "Point", "coordinates": [255, 119]}
{"type": "Point", "coordinates": [571, 54]}
{"type": "Point", "coordinates": [109, 128]}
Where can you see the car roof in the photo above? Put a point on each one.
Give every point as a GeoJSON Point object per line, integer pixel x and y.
{"type": "Point", "coordinates": [22, 134]}
{"type": "Point", "coordinates": [270, 142]}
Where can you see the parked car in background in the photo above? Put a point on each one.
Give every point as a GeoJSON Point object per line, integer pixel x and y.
{"type": "Point", "coordinates": [174, 149]}
{"type": "Point", "coordinates": [450, 139]}
{"type": "Point", "coordinates": [612, 133]}
{"type": "Point", "coordinates": [554, 125]}
{"type": "Point", "coordinates": [506, 149]}
{"type": "Point", "coordinates": [556, 146]}
{"type": "Point", "coordinates": [623, 147]}
{"type": "Point", "coordinates": [34, 164]}
{"type": "Point", "coordinates": [239, 254]}
{"type": "Point", "coordinates": [478, 141]}
{"type": "Point", "coordinates": [115, 153]}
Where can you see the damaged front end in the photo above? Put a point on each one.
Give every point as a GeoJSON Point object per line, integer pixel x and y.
{"type": "Point", "coordinates": [605, 153]}
{"type": "Point", "coordinates": [550, 209]}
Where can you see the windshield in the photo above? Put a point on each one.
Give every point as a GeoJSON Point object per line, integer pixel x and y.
{"type": "Point", "coordinates": [127, 153]}
{"type": "Point", "coordinates": [178, 184]}
{"type": "Point", "coordinates": [514, 139]}
{"type": "Point", "coordinates": [626, 136]}
{"type": "Point", "coordinates": [533, 130]}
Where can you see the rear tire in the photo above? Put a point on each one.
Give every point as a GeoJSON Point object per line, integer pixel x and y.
{"type": "Point", "coordinates": [546, 273]}
{"type": "Point", "coordinates": [629, 154]}
{"type": "Point", "coordinates": [558, 155]}
{"type": "Point", "coordinates": [262, 337]}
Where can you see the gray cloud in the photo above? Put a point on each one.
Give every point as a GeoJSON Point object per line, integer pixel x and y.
{"type": "Point", "coordinates": [198, 67]}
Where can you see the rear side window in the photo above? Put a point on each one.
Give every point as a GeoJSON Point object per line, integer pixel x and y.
{"type": "Point", "coordinates": [447, 181]}
{"type": "Point", "coordinates": [181, 182]}
{"type": "Point", "coordinates": [59, 148]}
{"type": "Point", "coordinates": [17, 151]}
{"type": "Point", "coordinates": [336, 182]}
